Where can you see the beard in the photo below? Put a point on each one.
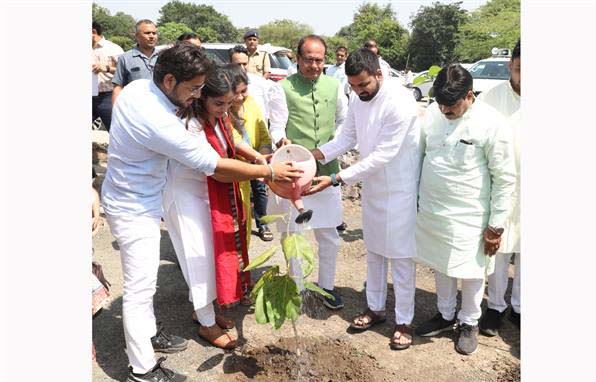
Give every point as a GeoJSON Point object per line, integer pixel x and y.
{"type": "Point", "coordinates": [368, 96]}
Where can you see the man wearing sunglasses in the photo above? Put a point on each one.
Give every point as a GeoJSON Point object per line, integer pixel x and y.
{"type": "Point", "coordinates": [466, 183]}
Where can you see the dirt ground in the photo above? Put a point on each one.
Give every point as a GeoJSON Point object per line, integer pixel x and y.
{"type": "Point", "coordinates": [328, 351]}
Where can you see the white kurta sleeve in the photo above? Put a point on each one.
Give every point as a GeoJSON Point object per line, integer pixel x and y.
{"type": "Point", "coordinates": [501, 165]}
{"type": "Point", "coordinates": [341, 110]}
{"type": "Point", "coordinates": [278, 112]}
{"type": "Point", "coordinates": [344, 140]}
{"type": "Point", "coordinates": [389, 141]}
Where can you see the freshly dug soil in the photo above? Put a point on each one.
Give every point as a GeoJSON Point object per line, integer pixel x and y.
{"type": "Point", "coordinates": [324, 360]}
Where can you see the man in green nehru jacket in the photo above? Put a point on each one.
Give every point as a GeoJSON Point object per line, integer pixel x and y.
{"type": "Point", "coordinates": [317, 108]}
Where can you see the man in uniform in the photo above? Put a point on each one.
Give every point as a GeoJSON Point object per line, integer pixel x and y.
{"type": "Point", "coordinates": [258, 61]}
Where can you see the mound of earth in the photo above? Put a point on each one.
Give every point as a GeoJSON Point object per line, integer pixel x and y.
{"type": "Point", "coordinates": [319, 360]}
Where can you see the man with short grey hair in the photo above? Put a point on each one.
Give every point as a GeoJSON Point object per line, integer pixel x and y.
{"type": "Point", "coordinates": [138, 62]}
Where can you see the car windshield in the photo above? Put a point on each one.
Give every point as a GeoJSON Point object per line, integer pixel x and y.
{"type": "Point", "coordinates": [219, 56]}
{"type": "Point", "coordinates": [280, 60]}
{"type": "Point", "coordinates": [491, 70]}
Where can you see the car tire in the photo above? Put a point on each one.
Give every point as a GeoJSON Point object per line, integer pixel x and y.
{"type": "Point", "coordinates": [417, 94]}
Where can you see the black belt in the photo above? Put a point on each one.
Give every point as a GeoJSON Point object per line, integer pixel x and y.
{"type": "Point", "coordinates": [104, 93]}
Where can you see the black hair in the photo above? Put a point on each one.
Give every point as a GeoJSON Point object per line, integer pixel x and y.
{"type": "Point", "coordinates": [311, 37]}
{"type": "Point", "coordinates": [236, 74]}
{"type": "Point", "coordinates": [516, 50]}
{"type": "Point", "coordinates": [341, 47]}
{"type": "Point", "coordinates": [361, 59]}
{"type": "Point", "coordinates": [97, 26]}
{"type": "Point", "coordinates": [183, 61]}
{"type": "Point", "coordinates": [452, 84]}
{"type": "Point", "coordinates": [188, 36]}
{"type": "Point", "coordinates": [237, 49]}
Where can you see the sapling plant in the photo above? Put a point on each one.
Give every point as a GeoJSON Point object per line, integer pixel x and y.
{"type": "Point", "coordinates": [277, 295]}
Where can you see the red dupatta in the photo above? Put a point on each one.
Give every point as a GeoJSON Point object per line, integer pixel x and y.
{"type": "Point", "coordinates": [229, 225]}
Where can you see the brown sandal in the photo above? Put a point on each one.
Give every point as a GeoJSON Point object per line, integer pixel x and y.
{"type": "Point", "coordinates": [217, 337]}
{"type": "Point", "coordinates": [402, 330]}
{"type": "Point", "coordinates": [371, 317]}
{"type": "Point", "coordinates": [220, 320]}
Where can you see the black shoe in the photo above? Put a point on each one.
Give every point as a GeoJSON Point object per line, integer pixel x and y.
{"type": "Point", "coordinates": [491, 322]}
{"type": "Point", "coordinates": [467, 343]}
{"type": "Point", "coordinates": [342, 227]}
{"type": "Point", "coordinates": [157, 374]}
{"type": "Point", "coordinates": [167, 343]}
{"type": "Point", "coordinates": [515, 318]}
{"type": "Point", "coordinates": [333, 304]}
{"type": "Point", "coordinates": [434, 326]}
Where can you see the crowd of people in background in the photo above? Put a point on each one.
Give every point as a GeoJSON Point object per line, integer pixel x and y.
{"type": "Point", "coordinates": [190, 143]}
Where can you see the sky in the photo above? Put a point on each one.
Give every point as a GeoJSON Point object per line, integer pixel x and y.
{"type": "Point", "coordinates": [326, 17]}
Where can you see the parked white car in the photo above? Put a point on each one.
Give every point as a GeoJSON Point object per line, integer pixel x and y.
{"type": "Point", "coordinates": [489, 73]}
{"type": "Point", "coordinates": [420, 90]}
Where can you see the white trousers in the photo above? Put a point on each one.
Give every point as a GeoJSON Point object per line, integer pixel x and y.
{"type": "Point", "coordinates": [138, 238]}
{"type": "Point", "coordinates": [497, 283]}
{"type": "Point", "coordinates": [328, 241]}
{"type": "Point", "coordinates": [472, 291]}
{"type": "Point", "coordinates": [403, 272]}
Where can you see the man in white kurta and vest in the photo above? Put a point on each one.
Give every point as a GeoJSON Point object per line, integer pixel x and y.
{"type": "Point", "coordinates": [506, 99]}
{"type": "Point", "coordinates": [317, 108]}
{"type": "Point", "coordinates": [466, 183]}
{"type": "Point", "coordinates": [382, 122]}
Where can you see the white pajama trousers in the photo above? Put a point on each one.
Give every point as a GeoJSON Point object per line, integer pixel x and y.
{"type": "Point", "coordinates": [497, 283]}
{"type": "Point", "coordinates": [403, 273]}
{"type": "Point", "coordinates": [328, 240]}
{"type": "Point", "coordinates": [138, 238]}
{"type": "Point", "coordinates": [472, 291]}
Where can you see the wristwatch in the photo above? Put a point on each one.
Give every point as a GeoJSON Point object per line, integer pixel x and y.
{"type": "Point", "coordinates": [334, 181]}
{"type": "Point", "coordinates": [496, 231]}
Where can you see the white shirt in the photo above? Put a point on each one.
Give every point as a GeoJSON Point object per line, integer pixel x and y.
{"type": "Point", "coordinates": [388, 139]}
{"type": "Point", "coordinates": [385, 67]}
{"type": "Point", "coordinates": [339, 73]}
{"type": "Point", "coordinates": [146, 132]}
{"type": "Point", "coordinates": [271, 98]}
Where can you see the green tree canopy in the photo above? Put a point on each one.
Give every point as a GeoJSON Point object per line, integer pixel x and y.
{"type": "Point", "coordinates": [168, 33]}
{"type": "Point", "coordinates": [435, 35]}
{"type": "Point", "coordinates": [199, 16]}
{"type": "Point", "coordinates": [380, 24]}
{"type": "Point", "coordinates": [284, 33]}
{"type": "Point", "coordinates": [121, 24]}
{"type": "Point", "coordinates": [495, 24]}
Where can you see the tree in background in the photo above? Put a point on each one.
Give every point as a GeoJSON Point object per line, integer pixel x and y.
{"type": "Point", "coordinates": [197, 16]}
{"type": "Point", "coordinates": [435, 35]}
{"type": "Point", "coordinates": [380, 24]}
{"type": "Point", "coordinates": [284, 33]}
{"type": "Point", "coordinates": [119, 29]}
{"type": "Point", "coordinates": [495, 24]}
{"type": "Point", "coordinates": [168, 33]}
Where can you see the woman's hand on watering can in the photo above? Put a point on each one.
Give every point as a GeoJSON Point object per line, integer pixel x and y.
{"type": "Point", "coordinates": [319, 184]}
{"type": "Point", "coordinates": [285, 171]}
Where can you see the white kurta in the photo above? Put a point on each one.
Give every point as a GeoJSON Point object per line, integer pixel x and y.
{"type": "Point", "coordinates": [188, 217]}
{"type": "Point", "coordinates": [387, 135]}
{"type": "Point", "coordinates": [503, 98]}
{"type": "Point", "coordinates": [463, 188]}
